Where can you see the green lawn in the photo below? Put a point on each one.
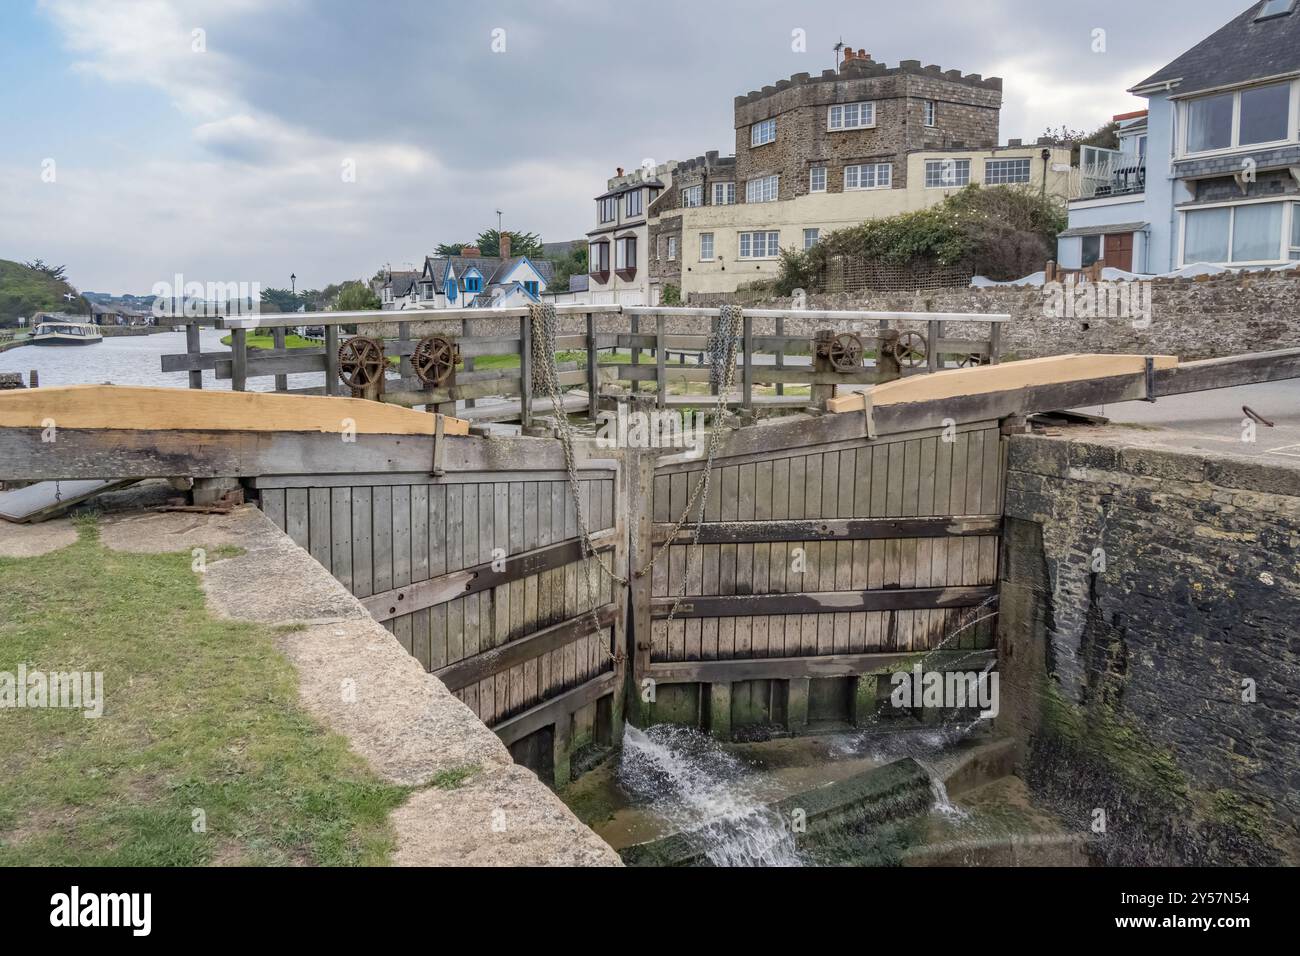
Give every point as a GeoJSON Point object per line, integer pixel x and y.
{"type": "Point", "coordinates": [265, 341]}
{"type": "Point", "coordinates": [199, 715]}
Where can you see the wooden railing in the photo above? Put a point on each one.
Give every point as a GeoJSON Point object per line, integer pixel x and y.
{"type": "Point", "coordinates": [771, 358]}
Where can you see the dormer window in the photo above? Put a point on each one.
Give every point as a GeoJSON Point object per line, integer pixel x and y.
{"type": "Point", "coordinates": [632, 204]}
{"type": "Point", "coordinates": [607, 209]}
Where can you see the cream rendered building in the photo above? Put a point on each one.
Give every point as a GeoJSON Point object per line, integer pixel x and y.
{"type": "Point", "coordinates": [724, 246]}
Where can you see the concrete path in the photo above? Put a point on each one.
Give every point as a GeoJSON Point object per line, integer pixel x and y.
{"type": "Point", "coordinates": [33, 540]}
{"type": "Point", "coordinates": [472, 805]}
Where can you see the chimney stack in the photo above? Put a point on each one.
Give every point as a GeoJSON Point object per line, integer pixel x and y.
{"type": "Point", "coordinates": [470, 252]}
{"type": "Point", "coordinates": [505, 245]}
{"type": "Point", "coordinates": [618, 172]}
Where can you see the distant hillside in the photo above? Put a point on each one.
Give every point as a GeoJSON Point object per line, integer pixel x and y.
{"type": "Point", "coordinates": [26, 291]}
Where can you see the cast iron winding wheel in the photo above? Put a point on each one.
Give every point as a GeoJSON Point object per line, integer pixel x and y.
{"type": "Point", "coordinates": [911, 349]}
{"type": "Point", "coordinates": [845, 352]}
{"type": "Point", "coordinates": [361, 362]}
{"type": "Point", "coordinates": [434, 359]}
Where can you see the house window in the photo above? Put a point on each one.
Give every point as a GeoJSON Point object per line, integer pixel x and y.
{"type": "Point", "coordinates": [944, 173]}
{"type": "Point", "coordinates": [760, 245]}
{"type": "Point", "coordinates": [598, 260]}
{"type": "Point", "coordinates": [810, 237]}
{"type": "Point", "coordinates": [692, 196]}
{"type": "Point", "coordinates": [870, 176]}
{"type": "Point", "coordinates": [1234, 234]}
{"type": "Point", "coordinates": [625, 256]}
{"type": "Point", "coordinates": [473, 283]}
{"type": "Point", "coordinates": [931, 113]}
{"type": "Point", "coordinates": [531, 286]}
{"type": "Point", "coordinates": [851, 116]}
{"type": "Point", "coordinates": [632, 203]}
{"type": "Point", "coordinates": [724, 194]}
{"type": "Point", "coordinates": [1295, 230]}
{"type": "Point", "coordinates": [672, 248]}
{"type": "Point", "coordinates": [760, 134]}
{"type": "Point", "coordinates": [706, 247]}
{"type": "Point", "coordinates": [1243, 118]}
{"type": "Point", "coordinates": [607, 209]}
{"type": "Point", "coordinates": [1091, 251]}
{"type": "Point", "coordinates": [762, 189]}
{"type": "Point", "coordinates": [817, 179]}
{"type": "Point", "coordinates": [1004, 172]}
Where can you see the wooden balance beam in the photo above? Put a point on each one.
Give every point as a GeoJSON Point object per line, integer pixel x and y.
{"type": "Point", "coordinates": [122, 407]}
{"type": "Point", "coordinates": [107, 431]}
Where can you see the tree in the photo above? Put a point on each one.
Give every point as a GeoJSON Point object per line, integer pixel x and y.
{"type": "Point", "coordinates": [356, 297]}
{"type": "Point", "coordinates": [450, 249]}
{"type": "Point", "coordinates": [1105, 136]}
{"type": "Point", "coordinates": [54, 272]}
{"type": "Point", "coordinates": [284, 300]}
{"type": "Point", "coordinates": [521, 243]}
{"type": "Point", "coordinates": [572, 263]}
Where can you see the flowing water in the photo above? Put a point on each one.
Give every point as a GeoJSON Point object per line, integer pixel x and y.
{"type": "Point", "coordinates": [703, 791]}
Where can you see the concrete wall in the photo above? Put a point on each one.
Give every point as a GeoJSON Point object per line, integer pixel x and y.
{"type": "Point", "coordinates": [1129, 682]}
{"type": "Point", "coordinates": [1228, 314]}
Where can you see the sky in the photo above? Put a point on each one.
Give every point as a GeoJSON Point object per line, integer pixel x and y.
{"type": "Point", "coordinates": [245, 140]}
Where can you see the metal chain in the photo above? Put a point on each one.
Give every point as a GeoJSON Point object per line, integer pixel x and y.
{"type": "Point", "coordinates": [722, 353]}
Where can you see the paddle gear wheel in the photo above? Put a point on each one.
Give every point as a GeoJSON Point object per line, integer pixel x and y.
{"type": "Point", "coordinates": [844, 351]}
{"type": "Point", "coordinates": [911, 349]}
{"type": "Point", "coordinates": [434, 360]}
{"type": "Point", "coordinates": [362, 362]}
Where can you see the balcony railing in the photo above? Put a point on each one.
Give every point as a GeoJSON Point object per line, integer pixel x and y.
{"type": "Point", "coordinates": [1112, 174]}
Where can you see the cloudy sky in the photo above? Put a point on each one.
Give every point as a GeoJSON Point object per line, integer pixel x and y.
{"type": "Point", "coordinates": [241, 140]}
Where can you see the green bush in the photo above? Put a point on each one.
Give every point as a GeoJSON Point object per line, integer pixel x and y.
{"type": "Point", "coordinates": [672, 295]}
{"type": "Point", "coordinates": [1003, 232]}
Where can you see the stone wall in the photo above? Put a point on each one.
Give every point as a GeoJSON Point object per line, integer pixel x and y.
{"type": "Point", "coordinates": [1228, 314]}
{"type": "Point", "coordinates": [1155, 680]}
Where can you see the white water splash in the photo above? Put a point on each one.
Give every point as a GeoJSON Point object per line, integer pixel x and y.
{"type": "Point", "coordinates": [700, 789]}
{"type": "Point", "coordinates": [943, 805]}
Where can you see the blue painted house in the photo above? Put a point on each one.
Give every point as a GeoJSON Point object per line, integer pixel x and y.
{"type": "Point", "coordinates": [473, 281]}
{"type": "Point", "coordinates": [1211, 173]}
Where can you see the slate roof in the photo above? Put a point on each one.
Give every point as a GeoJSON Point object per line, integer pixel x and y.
{"type": "Point", "coordinates": [1242, 51]}
{"type": "Point", "coordinates": [493, 269]}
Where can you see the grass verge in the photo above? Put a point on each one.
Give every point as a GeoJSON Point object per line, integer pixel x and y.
{"type": "Point", "coordinates": [203, 754]}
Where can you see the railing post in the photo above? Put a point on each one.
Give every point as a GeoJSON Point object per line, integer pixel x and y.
{"type": "Point", "coordinates": [526, 372]}
{"type": "Point", "coordinates": [661, 381]}
{"type": "Point", "coordinates": [747, 378]}
{"type": "Point", "coordinates": [593, 370]}
{"type": "Point", "coordinates": [935, 330]}
{"type": "Point", "coordinates": [636, 352]}
{"type": "Point", "coordinates": [780, 354]}
{"type": "Point", "coordinates": [822, 364]}
{"type": "Point", "coordinates": [404, 367]}
{"type": "Point", "coordinates": [278, 340]}
{"type": "Point", "coordinates": [332, 360]}
{"type": "Point", "coordinates": [194, 348]}
{"type": "Point", "coordinates": [239, 360]}
{"type": "Point", "coordinates": [995, 343]}
{"type": "Point", "coordinates": [467, 362]}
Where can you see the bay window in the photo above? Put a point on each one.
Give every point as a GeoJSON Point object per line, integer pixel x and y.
{"type": "Point", "coordinates": [598, 260]}
{"type": "Point", "coordinates": [1295, 230]}
{"type": "Point", "coordinates": [1250, 233]}
{"type": "Point", "coordinates": [607, 209]}
{"type": "Point", "coordinates": [632, 204]}
{"type": "Point", "coordinates": [625, 256]}
{"type": "Point", "coordinates": [1248, 117]}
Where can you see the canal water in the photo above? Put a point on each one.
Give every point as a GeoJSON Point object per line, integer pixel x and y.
{"type": "Point", "coordinates": [128, 360]}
